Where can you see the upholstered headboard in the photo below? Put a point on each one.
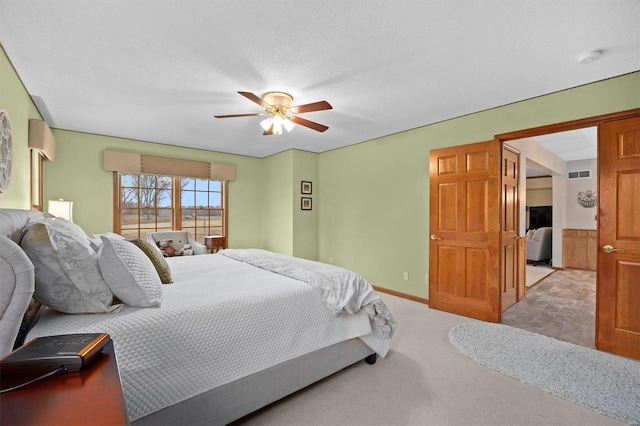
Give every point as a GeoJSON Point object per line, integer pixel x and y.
{"type": "Point", "coordinates": [13, 221]}
{"type": "Point", "coordinates": [16, 275]}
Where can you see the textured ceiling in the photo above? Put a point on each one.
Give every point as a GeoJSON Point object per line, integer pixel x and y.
{"type": "Point", "coordinates": [160, 70]}
{"type": "Point", "coordinates": [573, 145]}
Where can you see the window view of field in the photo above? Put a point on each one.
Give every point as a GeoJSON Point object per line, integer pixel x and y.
{"type": "Point", "coordinates": [150, 203]}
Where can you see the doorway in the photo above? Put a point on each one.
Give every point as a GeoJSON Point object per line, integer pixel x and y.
{"type": "Point", "coordinates": [559, 168]}
{"type": "Point", "coordinates": [617, 236]}
{"type": "Point", "coordinates": [615, 243]}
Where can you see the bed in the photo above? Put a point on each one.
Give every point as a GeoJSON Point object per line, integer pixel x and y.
{"type": "Point", "coordinates": [234, 331]}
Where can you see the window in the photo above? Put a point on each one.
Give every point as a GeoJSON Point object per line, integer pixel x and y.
{"type": "Point", "coordinates": [149, 203]}
{"type": "Point", "coordinates": [202, 207]}
{"type": "Point", "coordinates": [36, 180]}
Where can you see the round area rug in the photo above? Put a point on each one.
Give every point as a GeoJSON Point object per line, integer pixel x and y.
{"type": "Point", "coordinates": [605, 383]}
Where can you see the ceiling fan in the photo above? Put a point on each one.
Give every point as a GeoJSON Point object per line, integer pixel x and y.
{"type": "Point", "coordinates": [277, 105]}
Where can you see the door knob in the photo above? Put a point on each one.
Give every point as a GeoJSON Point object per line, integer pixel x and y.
{"type": "Point", "coordinates": [611, 249]}
{"type": "Point", "coordinates": [434, 237]}
{"type": "Point", "coordinates": [517, 237]}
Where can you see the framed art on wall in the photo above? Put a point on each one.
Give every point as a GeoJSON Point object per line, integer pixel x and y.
{"type": "Point", "coordinates": [305, 187]}
{"type": "Point", "coordinates": [305, 203]}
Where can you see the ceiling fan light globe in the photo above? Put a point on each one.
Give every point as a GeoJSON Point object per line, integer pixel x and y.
{"type": "Point", "coordinates": [288, 125]}
{"type": "Point", "coordinates": [277, 125]}
{"type": "Point", "coordinates": [266, 123]}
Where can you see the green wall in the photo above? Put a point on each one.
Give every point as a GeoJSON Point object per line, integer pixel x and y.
{"type": "Point", "coordinates": [305, 222]}
{"type": "Point", "coordinates": [15, 99]}
{"type": "Point", "coordinates": [375, 196]}
{"type": "Point", "coordinates": [277, 207]}
{"type": "Point", "coordinates": [285, 227]}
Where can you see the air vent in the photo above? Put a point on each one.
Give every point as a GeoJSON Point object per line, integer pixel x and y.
{"type": "Point", "coordinates": [579, 174]}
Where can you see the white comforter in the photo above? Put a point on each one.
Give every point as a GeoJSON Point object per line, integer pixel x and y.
{"type": "Point", "coordinates": [343, 291]}
{"type": "Point", "coordinates": [220, 320]}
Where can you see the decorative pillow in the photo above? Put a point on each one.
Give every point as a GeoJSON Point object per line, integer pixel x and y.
{"type": "Point", "coordinates": [96, 241]}
{"type": "Point", "coordinates": [67, 274]}
{"type": "Point", "coordinates": [167, 248]}
{"type": "Point", "coordinates": [129, 273]}
{"type": "Point", "coordinates": [156, 257]}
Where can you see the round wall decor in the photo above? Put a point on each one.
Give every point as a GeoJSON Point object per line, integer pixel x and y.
{"type": "Point", "coordinates": [6, 150]}
{"type": "Point", "coordinates": [587, 199]}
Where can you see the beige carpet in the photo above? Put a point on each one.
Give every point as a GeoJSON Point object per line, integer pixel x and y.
{"type": "Point", "coordinates": [423, 381]}
{"type": "Point", "coordinates": [534, 274]}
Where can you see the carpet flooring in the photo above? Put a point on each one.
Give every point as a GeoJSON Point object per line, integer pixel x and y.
{"type": "Point", "coordinates": [562, 306]}
{"type": "Point", "coordinates": [606, 383]}
{"type": "Point", "coordinates": [424, 380]}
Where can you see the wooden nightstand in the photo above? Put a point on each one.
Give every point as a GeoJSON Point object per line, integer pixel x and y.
{"type": "Point", "coordinates": [215, 243]}
{"type": "Point", "coordinates": [90, 396]}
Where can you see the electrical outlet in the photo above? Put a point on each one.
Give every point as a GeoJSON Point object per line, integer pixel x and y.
{"type": "Point", "coordinates": [406, 275]}
{"type": "Point", "coordinates": [330, 259]}
{"type": "Point", "coordinates": [426, 279]}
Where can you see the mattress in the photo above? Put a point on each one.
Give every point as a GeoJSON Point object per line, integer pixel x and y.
{"type": "Point", "coordinates": [220, 320]}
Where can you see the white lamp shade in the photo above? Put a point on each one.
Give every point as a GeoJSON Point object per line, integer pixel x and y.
{"type": "Point", "coordinates": [277, 125]}
{"type": "Point", "coordinates": [61, 208]}
{"type": "Point", "coordinates": [266, 124]}
{"type": "Point", "coordinates": [288, 124]}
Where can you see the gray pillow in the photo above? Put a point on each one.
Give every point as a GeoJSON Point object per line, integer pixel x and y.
{"type": "Point", "coordinates": [67, 274]}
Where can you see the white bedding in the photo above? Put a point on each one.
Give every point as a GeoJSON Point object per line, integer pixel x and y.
{"type": "Point", "coordinates": [343, 291]}
{"type": "Point", "coordinates": [254, 319]}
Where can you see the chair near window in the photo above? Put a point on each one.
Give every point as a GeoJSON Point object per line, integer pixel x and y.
{"type": "Point", "coordinates": [179, 238]}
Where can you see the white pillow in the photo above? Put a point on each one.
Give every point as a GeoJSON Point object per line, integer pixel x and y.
{"type": "Point", "coordinates": [129, 273]}
{"type": "Point", "coordinates": [96, 241]}
{"type": "Point", "coordinates": [67, 274]}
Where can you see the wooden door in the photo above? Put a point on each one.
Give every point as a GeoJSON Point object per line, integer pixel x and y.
{"type": "Point", "coordinates": [464, 217]}
{"type": "Point", "coordinates": [510, 226]}
{"type": "Point", "coordinates": [618, 271]}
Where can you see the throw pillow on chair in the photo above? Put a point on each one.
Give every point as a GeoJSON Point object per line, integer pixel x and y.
{"type": "Point", "coordinates": [166, 248]}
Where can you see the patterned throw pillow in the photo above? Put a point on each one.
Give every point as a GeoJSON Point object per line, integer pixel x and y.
{"type": "Point", "coordinates": [67, 274]}
{"type": "Point", "coordinates": [129, 273]}
{"type": "Point", "coordinates": [156, 257]}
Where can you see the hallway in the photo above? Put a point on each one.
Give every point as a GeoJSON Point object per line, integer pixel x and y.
{"type": "Point", "coordinates": [562, 306]}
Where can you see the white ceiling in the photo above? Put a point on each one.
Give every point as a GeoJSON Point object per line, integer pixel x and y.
{"type": "Point", "coordinates": [573, 145]}
{"type": "Point", "coordinates": [159, 70]}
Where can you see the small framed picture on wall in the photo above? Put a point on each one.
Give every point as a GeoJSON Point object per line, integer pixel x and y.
{"type": "Point", "coordinates": [305, 203]}
{"type": "Point", "coordinates": [305, 187]}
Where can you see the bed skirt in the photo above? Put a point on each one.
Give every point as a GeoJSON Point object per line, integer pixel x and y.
{"type": "Point", "coordinates": [234, 400]}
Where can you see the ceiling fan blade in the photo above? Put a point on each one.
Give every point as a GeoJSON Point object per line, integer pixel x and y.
{"type": "Point", "coordinates": [255, 99]}
{"type": "Point", "coordinates": [268, 132]}
{"type": "Point", "coordinates": [238, 115]}
{"type": "Point", "coordinates": [310, 124]}
{"type": "Point", "coordinates": [315, 106]}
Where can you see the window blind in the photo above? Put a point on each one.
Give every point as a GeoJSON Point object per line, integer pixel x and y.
{"type": "Point", "coordinates": [128, 162]}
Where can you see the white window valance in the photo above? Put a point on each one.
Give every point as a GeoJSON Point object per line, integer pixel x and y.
{"type": "Point", "coordinates": [128, 162]}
